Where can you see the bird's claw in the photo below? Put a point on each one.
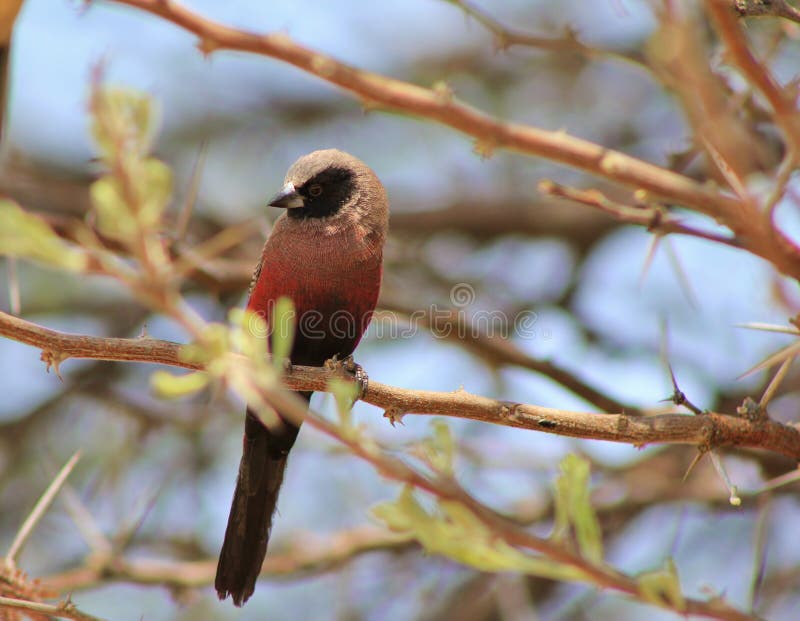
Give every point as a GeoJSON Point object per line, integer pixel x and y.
{"type": "Point", "coordinates": [353, 369]}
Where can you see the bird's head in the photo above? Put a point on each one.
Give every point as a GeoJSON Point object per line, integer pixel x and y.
{"type": "Point", "coordinates": [331, 188]}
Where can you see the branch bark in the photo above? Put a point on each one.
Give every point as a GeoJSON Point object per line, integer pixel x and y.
{"type": "Point", "coordinates": [706, 431]}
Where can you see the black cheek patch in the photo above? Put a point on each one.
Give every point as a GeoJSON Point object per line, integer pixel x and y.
{"type": "Point", "coordinates": [337, 185]}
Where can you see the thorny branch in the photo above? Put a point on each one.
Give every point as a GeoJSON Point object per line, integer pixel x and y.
{"type": "Point", "coordinates": [758, 235]}
{"type": "Point", "coordinates": [708, 430]}
{"type": "Point", "coordinates": [767, 8]}
{"type": "Point", "coordinates": [63, 610]}
{"type": "Point", "coordinates": [445, 488]}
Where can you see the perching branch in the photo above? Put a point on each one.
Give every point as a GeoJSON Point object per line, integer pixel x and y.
{"type": "Point", "coordinates": [706, 431]}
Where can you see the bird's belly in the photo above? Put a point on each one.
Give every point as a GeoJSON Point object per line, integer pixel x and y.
{"type": "Point", "coordinates": [331, 312]}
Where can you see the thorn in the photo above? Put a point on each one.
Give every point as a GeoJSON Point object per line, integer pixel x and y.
{"type": "Point", "coordinates": [648, 261]}
{"type": "Point", "coordinates": [207, 46]}
{"type": "Point", "coordinates": [678, 396]}
{"type": "Point", "coordinates": [484, 148]}
{"type": "Point", "coordinates": [695, 461]}
{"type": "Point", "coordinates": [443, 91]}
{"type": "Point", "coordinates": [54, 360]}
{"type": "Point", "coordinates": [733, 491]}
{"type": "Point", "coordinates": [395, 415]}
{"type": "Point", "coordinates": [14, 300]}
{"type": "Point", "coordinates": [332, 364]}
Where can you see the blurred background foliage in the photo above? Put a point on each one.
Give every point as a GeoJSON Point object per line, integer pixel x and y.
{"type": "Point", "coordinates": [158, 475]}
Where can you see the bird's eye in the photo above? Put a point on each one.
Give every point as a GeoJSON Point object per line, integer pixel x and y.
{"type": "Point", "coordinates": [315, 190]}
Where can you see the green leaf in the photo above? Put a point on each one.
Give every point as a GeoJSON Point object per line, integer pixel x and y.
{"type": "Point", "coordinates": [439, 447]}
{"type": "Point", "coordinates": [213, 343]}
{"type": "Point", "coordinates": [114, 216]}
{"type": "Point", "coordinates": [249, 335]}
{"type": "Point", "coordinates": [283, 327]}
{"type": "Point", "coordinates": [154, 190]}
{"type": "Point", "coordinates": [345, 394]}
{"type": "Point", "coordinates": [573, 509]}
{"type": "Point", "coordinates": [662, 586]}
{"type": "Point", "coordinates": [457, 533]}
{"type": "Point", "coordinates": [124, 122]}
{"type": "Point", "coordinates": [25, 235]}
{"type": "Point", "coordinates": [169, 386]}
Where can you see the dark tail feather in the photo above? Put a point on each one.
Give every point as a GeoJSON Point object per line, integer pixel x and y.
{"type": "Point", "coordinates": [250, 521]}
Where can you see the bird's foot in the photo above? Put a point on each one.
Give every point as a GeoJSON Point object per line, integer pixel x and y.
{"type": "Point", "coordinates": [350, 367]}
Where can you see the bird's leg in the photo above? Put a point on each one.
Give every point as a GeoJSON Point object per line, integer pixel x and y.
{"type": "Point", "coordinates": [351, 368]}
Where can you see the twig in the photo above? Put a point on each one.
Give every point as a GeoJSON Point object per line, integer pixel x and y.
{"type": "Point", "coordinates": [505, 37]}
{"type": "Point", "coordinates": [65, 610]}
{"type": "Point", "coordinates": [40, 508]}
{"type": "Point", "coordinates": [655, 219]}
{"type": "Point", "coordinates": [766, 8]}
{"type": "Point", "coordinates": [305, 557]}
{"type": "Point", "coordinates": [14, 298]}
{"type": "Point", "coordinates": [755, 72]}
{"type": "Point", "coordinates": [709, 429]}
{"type": "Point", "coordinates": [184, 216]}
{"type": "Point", "coordinates": [446, 489]}
{"type": "Point", "coordinates": [503, 351]}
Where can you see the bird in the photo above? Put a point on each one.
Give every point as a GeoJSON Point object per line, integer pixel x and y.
{"type": "Point", "coordinates": [325, 253]}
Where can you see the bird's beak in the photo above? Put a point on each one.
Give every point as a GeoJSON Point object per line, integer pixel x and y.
{"type": "Point", "coordinates": [287, 197]}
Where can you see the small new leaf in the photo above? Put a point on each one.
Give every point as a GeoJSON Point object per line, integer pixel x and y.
{"type": "Point", "coordinates": [169, 386]}
{"type": "Point", "coordinates": [114, 217]}
{"type": "Point", "coordinates": [213, 343]}
{"type": "Point", "coordinates": [573, 509]}
{"type": "Point", "coordinates": [662, 586]}
{"type": "Point", "coordinates": [28, 236]}
{"type": "Point", "coordinates": [154, 189]}
{"type": "Point", "coordinates": [283, 327]}
{"type": "Point", "coordinates": [248, 335]}
{"type": "Point", "coordinates": [457, 533]}
{"type": "Point", "coordinates": [123, 122]}
{"type": "Point", "coordinates": [345, 394]}
{"type": "Point", "coordinates": [439, 448]}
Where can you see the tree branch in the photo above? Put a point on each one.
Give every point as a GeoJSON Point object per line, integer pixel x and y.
{"type": "Point", "coordinates": [708, 430]}
{"type": "Point", "coordinates": [766, 8]}
{"type": "Point", "coordinates": [755, 72]}
{"type": "Point", "coordinates": [654, 218]}
{"type": "Point", "coordinates": [64, 610]}
{"type": "Point", "coordinates": [438, 104]}
{"type": "Point", "coordinates": [305, 558]}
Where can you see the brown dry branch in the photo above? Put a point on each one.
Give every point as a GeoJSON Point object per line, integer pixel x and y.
{"type": "Point", "coordinates": [783, 105]}
{"type": "Point", "coordinates": [500, 351]}
{"type": "Point", "coordinates": [758, 235]}
{"type": "Point", "coordinates": [39, 510]}
{"type": "Point", "coordinates": [63, 610]}
{"type": "Point", "coordinates": [708, 430]}
{"type": "Point", "coordinates": [766, 8]}
{"type": "Point", "coordinates": [306, 557]}
{"type": "Point", "coordinates": [505, 37]}
{"type": "Point", "coordinates": [654, 218]}
{"type": "Point", "coordinates": [445, 488]}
